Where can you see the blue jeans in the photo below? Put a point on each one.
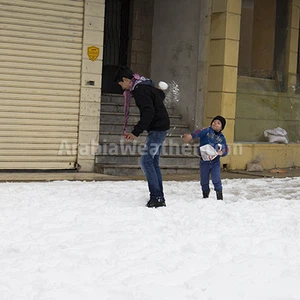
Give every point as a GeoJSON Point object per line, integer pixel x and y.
{"type": "Point", "coordinates": [213, 168]}
{"type": "Point", "coordinates": [150, 162]}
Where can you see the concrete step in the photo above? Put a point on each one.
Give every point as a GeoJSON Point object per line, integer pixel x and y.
{"type": "Point", "coordinates": [136, 148]}
{"type": "Point", "coordinates": [118, 128]}
{"type": "Point", "coordinates": [114, 99]}
{"type": "Point", "coordinates": [122, 158]}
{"type": "Point", "coordinates": [135, 170]}
{"type": "Point", "coordinates": [107, 137]}
{"type": "Point", "coordinates": [119, 100]}
{"type": "Point", "coordinates": [167, 160]}
{"type": "Point", "coordinates": [112, 117]}
{"type": "Point", "coordinates": [119, 108]}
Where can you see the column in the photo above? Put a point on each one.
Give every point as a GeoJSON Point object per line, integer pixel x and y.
{"type": "Point", "coordinates": [223, 63]}
{"type": "Point", "coordinates": [89, 118]}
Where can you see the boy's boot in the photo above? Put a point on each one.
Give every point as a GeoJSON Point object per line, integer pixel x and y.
{"type": "Point", "coordinates": [219, 195]}
{"type": "Point", "coordinates": [205, 194]}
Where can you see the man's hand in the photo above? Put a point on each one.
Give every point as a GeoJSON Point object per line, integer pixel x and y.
{"type": "Point", "coordinates": [130, 136]}
{"type": "Point", "coordinates": [187, 137]}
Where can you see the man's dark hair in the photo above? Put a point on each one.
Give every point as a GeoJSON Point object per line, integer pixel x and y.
{"type": "Point", "coordinates": [123, 72]}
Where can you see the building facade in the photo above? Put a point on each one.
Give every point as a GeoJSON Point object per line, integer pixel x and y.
{"type": "Point", "coordinates": [237, 58]}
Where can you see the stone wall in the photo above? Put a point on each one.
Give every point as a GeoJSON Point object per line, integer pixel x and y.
{"type": "Point", "coordinates": [141, 37]}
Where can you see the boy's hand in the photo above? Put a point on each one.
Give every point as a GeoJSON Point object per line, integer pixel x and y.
{"type": "Point", "coordinates": [187, 137]}
{"type": "Point", "coordinates": [130, 136]}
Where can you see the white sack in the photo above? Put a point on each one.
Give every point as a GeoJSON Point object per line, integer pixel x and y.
{"type": "Point", "coordinates": [277, 135]}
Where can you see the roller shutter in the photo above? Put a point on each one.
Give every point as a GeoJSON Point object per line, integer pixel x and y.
{"type": "Point", "coordinates": [40, 69]}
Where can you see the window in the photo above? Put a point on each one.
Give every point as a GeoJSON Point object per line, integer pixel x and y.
{"type": "Point", "coordinates": [263, 35]}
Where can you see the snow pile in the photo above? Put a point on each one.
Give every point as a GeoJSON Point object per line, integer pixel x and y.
{"type": "Point", "coordinates": [97, 240]}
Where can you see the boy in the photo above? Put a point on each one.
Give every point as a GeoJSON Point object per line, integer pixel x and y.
{"type": "Point", "coordinates": [154, 118]}
{"type": "Point", "coordinates": [212, 146]}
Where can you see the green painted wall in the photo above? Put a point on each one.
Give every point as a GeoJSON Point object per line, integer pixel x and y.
{"type": "Point", "coordinates": [259, 106]}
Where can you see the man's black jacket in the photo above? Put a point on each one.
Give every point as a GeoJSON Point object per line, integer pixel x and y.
{"type": "Point", "coordinates": [153, 113]}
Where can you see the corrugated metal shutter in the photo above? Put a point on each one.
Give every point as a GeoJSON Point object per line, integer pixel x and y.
{"type": "Point", "coordinates": [40, 70]}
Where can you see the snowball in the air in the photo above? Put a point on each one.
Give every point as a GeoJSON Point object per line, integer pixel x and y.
{"type": "Point", "coordinates": [163, 85]}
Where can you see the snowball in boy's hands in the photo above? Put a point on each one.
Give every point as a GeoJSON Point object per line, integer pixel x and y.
{"type": "Point", "coordinates": [163, 85]}
{"type": "Point", "coordinates": [220, 152]}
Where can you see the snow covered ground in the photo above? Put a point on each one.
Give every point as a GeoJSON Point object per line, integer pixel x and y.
{"type": "Point", "coordinates": [98, 241]}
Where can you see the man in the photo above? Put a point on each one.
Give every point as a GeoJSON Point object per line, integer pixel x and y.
{"type": "Point", "coordinates": [154, 119]}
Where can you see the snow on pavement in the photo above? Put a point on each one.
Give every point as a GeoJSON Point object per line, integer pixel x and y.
{"type": "Point", "coordinates": [97, 240]}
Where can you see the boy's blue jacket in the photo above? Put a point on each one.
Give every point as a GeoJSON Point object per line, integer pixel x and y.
{"type": "Point", "coordinates": [209, 136]}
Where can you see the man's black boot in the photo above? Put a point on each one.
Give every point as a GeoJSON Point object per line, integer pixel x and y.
{"type": "Point", "coordinates": [219, 195]}
{"type": "Point", "coordinates": [156, 202]}
{"type": "Point", "coordinates": [205, 194]}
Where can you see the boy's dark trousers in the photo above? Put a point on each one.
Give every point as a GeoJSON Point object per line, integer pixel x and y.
{"type": "Point", "coordinates": [212, 168]}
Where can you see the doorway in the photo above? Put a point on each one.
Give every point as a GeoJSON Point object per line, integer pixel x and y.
{"type": "Point", "coordinates": [116, 41]}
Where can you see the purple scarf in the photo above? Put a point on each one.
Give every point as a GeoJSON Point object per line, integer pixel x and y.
{"type": "Point", "coordinates": [127, 95]}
